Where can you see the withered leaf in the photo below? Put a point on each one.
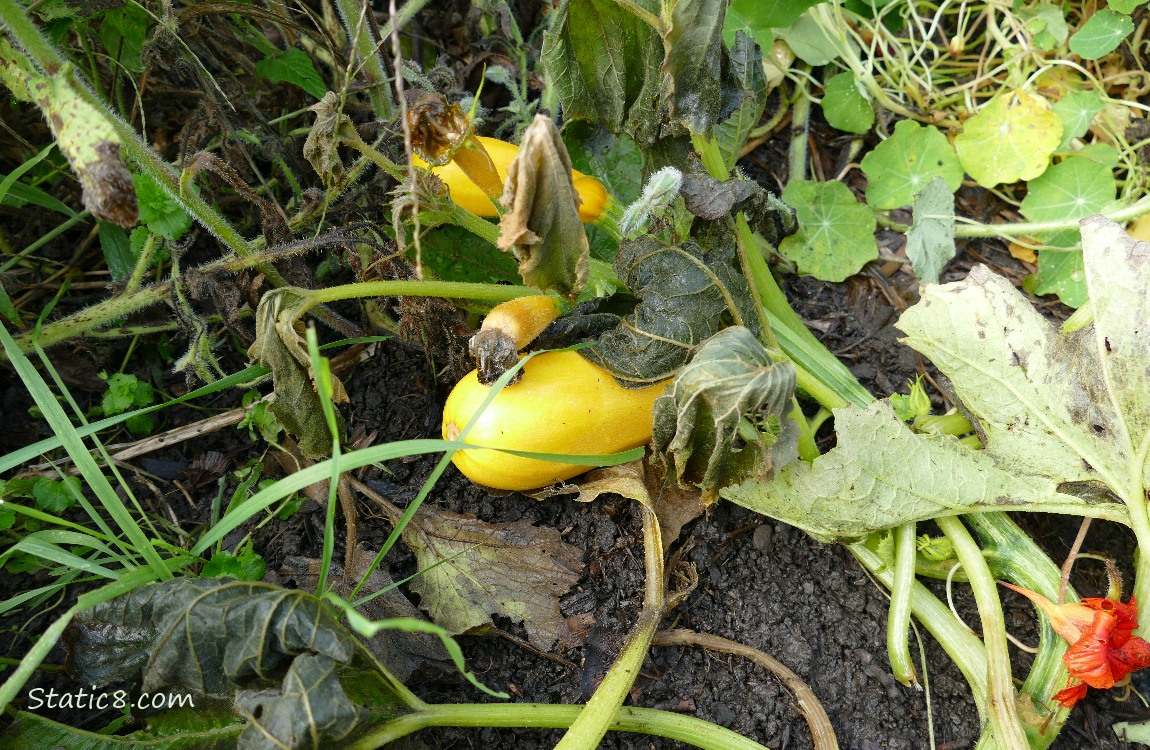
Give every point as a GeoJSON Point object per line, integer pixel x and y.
{"type": "Point", "coordinates": [708, 198]}
{"type": "Point", "coordinates": [260, 645]}
{"type": "Point", "coordinates": [644, 481]}
{"type": "Point", "coordinates": [472, 570]}
{"type": "Point", "coordinates": [725, 418]}
{"type": "Point", "coordinates": [703, 88]}
{"type": "Point", "coordinates": [685, 297]}
{"type": "Point", "coordinates": [321, 149]}
{"type": "Point", "coordinates": [280, 346]}
{"type": "Point", "coordinates": [542, 226]}
{"type": "Point", "coordinates": [401, 652]}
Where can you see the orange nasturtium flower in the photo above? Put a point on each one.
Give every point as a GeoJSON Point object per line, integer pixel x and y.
{"type": "Point", "coordinates": [1103, 648]}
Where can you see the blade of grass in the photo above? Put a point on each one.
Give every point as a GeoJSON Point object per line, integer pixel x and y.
{"type": "Point", "coordinates": [90, 472]}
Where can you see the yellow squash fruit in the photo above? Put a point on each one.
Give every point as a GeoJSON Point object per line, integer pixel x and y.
{"type": "Point", "coordinates": [467, 194]}
{"type": "Point", "coordinates": [563, 404]}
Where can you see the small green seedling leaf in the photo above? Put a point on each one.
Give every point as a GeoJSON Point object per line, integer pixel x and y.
{"type": "Point", "coordinates": [1101, 34]}
{"type": "Point", "coordinates": [158, 211]}
{"type": "Point", "coordinates": [258, 419]}
{"type": "Point", "coordinates": [1010, 139]}
{"type": "Point", "coordinates": [930, 241]}
{"type": "Point", "coordinates": [1076, 110]}
{"type": "Point", "coordinates": [1046, 24]}
{"type": "Point", "coordinates": [905, 163]}
{"type": "Point", "coordinates": [55, 496]}
{"type": "Point", "coordinates": [127, 392]}
{"type": "Point", "coordinates": [845, 106]}
{"type": "Point", "coordinates": [836, 233]}
{"type": "Point", "coordinates": [247, 566]}
{"type": "Point", "coordinates": [295, 67]}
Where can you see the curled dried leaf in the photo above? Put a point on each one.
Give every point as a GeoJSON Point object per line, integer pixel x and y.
{"type": "Point", "coordinates": [542, 226]}
{"type": "Point", "coordinates": [725, 417]}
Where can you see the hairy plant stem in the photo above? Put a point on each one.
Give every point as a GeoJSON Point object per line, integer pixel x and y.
{"type": "Point", "coordinates": [1001, 707]}
{"type": "Point", "coordinates": [596, 717]}
{"type": "Point", "coordinates": [553, 716]}
{"type": "Point", "coordinates": [357, 22]}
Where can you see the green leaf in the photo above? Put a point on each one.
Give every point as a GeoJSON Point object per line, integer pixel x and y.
{"type": "Point", "coordinates": [7, 517]}
{"type": "Point", "coordinates": [247, 566]}
{"type": "Point", "coordinates": [160, 213]}
{"type": "Point", "coordinates": [614, 160]}
{"type": "Point", "coordinates": [1125, 6]}
{"type": "Point", "coordinates": [295, 67]}
{"type": "Point", "coordinates": [725, 416]}
{"type": "Point", "coordinates": [125, 392]}
{"type": "Point", "coordinates": [456, 254]}
{"type": "Point", "coordinates": [1060, 272]}
{"type": "Point", "coordinates": [55, 496]}
{"type": "Point", "coordinates": [930, 241]}
{"type": "Point", "coordinates": [203, 728]}
{"type": "Point", "coordinates": [704, 90]}
{"type": "Point", "coordinates": [471, 570]}
{"type": "Point", "coordinates": [123, 32]}
{"type": "Point", "coordinates": [1071, 189]}
{"type": "Point", "coordinates": [766, 14]}
{"type": "Point", "coordinates": [683, 293]}
{"type": "Point", "coordinates": [880, 475]}
{"type": "Point", "coordinates": [1011, 138]}
{"type": "Point", "coordinates": [117, 251]}
{"type": "Point", "coordinates": [1046, 24]}
{"type": "Point", "coordinates": [845, 106]}
{"type": "Point", "coordinates": [1070, 407]}
{"type": "Point", "coordinates": [275, 652]}
{"type": "Point", "coordinates": [836, 233]}
{"type": "Point", "coordinates": [603, 64]}
{"type": "Point", "coordinates": [18, 194]}
{"type": "Point", "coordinates": [1076, 110]}
{"type": "Point", "coordinates": [1101, 34]}
{"type": "Point", "coordinates": [905, 163]}
{"type": "Point", "coordinates": [810, 42]}
{"type": "Point", "coordinates": [731, 134]}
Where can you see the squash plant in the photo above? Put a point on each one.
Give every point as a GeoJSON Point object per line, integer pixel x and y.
{"type": "Point", "coordinates": [696, 303]}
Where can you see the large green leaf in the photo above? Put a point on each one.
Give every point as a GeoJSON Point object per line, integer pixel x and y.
{"type": "Point", "coordinates": [603, 64]}
{"type": "Point", "coordinates": [685, 292]}
{"type": "Point", "coordinates": [275, 652]}
{"type": "Point", "coordinates": [1011, 138]}
{"type": "Point", "coordinates": [703, 87]}
{"type": "Point", "coordinates": [881, 475]}
{"type": "Point", "coordinates": [1064, 417]}
{"type": "Point", "coordinates": [1070, 407]}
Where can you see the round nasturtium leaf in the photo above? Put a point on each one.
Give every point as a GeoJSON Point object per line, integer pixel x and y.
{"type": "Point", "coordinates": [1010, 139]}
{"type": "Point", "coordinates": [845, 107]}
{"type": "Point", "coordinates": [902, 165]}
{"type": "Point", "coordinates": [836, 232]}
{"type": "Point", "coordinates": [1071, 189]}
{"type": "Point", "coordinates": [1101, 34]}
{"type": "Point", "coordinates": [1060, 272]}
{"type": "Point", "coordinates": [1076, 110]}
